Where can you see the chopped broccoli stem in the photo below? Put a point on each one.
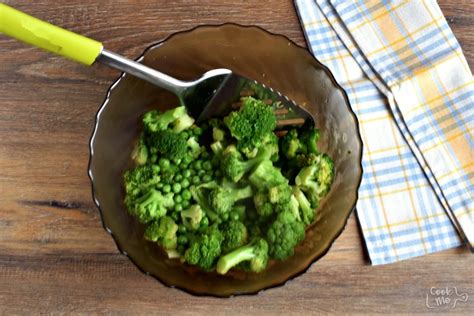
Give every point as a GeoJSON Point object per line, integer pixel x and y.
{"type": "Point", "coordinates": [256, 252]}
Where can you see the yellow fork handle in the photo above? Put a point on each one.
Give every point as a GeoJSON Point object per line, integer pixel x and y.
{"type": "Point", "coordinates": [44, 35]}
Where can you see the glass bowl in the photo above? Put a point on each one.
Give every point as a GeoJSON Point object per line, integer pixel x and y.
{"type": "Point", "coordinates": [254, 53]}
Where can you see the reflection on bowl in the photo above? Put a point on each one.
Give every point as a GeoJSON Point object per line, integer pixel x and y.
{"type": "Point", "coordinates": [254, 53]}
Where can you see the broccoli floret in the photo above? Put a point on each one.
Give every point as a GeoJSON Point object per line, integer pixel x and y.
{"type": "Point", "coordinates": [308, 213]}
{"type": "Point", "coordinates": [169, 144]}
{"type": "Point", "coordinates": [200, 194]}
{"type": "Point", "coordinates": [234, 167]}
{"type": "Point", "coordinates": [266, 175]}
{"type": "Point", "coordinates": [150, 206]}
{"type": "Point", "coordinates": [326, 172]}
{"type": "Point", "coordinates": [316, 179]}
{"type": "Point", "coordinates": [194, 147]}
{"type": "Point", "coordinates": [300, 141]}
{"type": "Point", "coordinates": [205, 250]}
{"type": "Point", "coordinates": [255, 253]}
{"type": "Point", "coordinates": [309, 136]}
{"type": "Point", "coordinates": [284, 234]}
{"type": "Point", "coordinates": [223, 199]}
{"type": "Point", "coordinates": [235, 235]}
{"type": "Point", "coordinates": [251, 123]}
{"type": "Point", "coordinates": [140, 152]}
{"type": "Point", "coordinates": [218, 134]}
{"type": "Point", "coordinates": [178, 117]}
{"type": "Point", "coordinates": [291, 144]}
{"type": "Point", "coordinates": [272, 200]}
{"type": "Point", "coordinates": [192, 217]}
{"type": "Point", "coordinates": [139, 179]}
{"type": "Point", "coordinates": [305, 160]}
{"type": "Point", "coordinates": [163, 231]}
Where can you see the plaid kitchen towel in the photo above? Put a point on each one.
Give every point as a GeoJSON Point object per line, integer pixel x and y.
{"type": "Point", "coordinates": [413, 93]}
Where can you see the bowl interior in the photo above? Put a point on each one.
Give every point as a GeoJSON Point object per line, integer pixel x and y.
{"type": "Point", "coordinates": [256, 54]}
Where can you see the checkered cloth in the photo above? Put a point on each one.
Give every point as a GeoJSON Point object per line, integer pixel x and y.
{"type": "Point", "coordinates": [413, 93]}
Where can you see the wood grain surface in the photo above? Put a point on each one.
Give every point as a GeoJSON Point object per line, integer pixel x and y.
{"type": "Point", "coordinates": [55, 256]}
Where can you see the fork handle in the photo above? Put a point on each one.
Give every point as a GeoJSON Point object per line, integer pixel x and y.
{"type": "Point", "coordinates": [36, 32]}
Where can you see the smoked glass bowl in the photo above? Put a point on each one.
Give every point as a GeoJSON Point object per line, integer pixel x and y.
{"type": "Point", "coordinates": [254, 53]}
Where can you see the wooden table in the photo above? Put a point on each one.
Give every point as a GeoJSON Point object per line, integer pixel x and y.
{"type": "Point", "coordinates": [55, 256]}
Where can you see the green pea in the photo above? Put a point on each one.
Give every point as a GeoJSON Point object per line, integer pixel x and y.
{"type": "Point", "coordinates": [192, 172]}
{"type": "Point", "coordinates": [234, 216]}
{"type": "Point", "coordinates": [197, 165]}
{"type": "Point", "coordinates": [225, 216]}
{"type": "Point", "coordinates": [185, 134]}
{"type": "Point", "coordinates": [206, 178]}
{"type": "Point", "coordinates": [182, 229]}
{"type": "Point", "coordinates": [197, 131]}
{"type": "Point", "coordinates": [178, 208]}
{"type": "Point", "coordinates": [178, 177]}
{"type": "Point", "coordinates": [186, 173]}
{"type": "Point", "coordinates": [166, 188]}
{"type": "Point", "coordinates": [182, 240]}
{"type": "Point", "coordinates": [175, 216]}
{"type": "Point", "coordinates": [176, 188]}
{"type": "Point", "coordinates": [218, 173]}
{"type": "Point", "coordinates": [183, 166]}
{"type": "Point", "coordinates": [186, 194]}
{"type": "Point", "coordinates": [187, 159]}
{"type": "Point", "coordinates": [204, 222]}
{"type": "Point", "coordinates": [153, 150]}
{"type": "Point", "coordinates": [178, 198]}
{"type": "Point", "coordinates": [201, 172]}
{"type": "Point", "coordinates": [196, 180]}
{"type": "Point", "coordinates": [159, 185]}
{"type": "Point", "coordinates": [185, 183]}
{"type": "Point", "coordinates": [207, 165]}
{"type": "Point", "coordinates": [186, 204]}
{"type": "Point", "coordinates": [176, 161]}
{"type": "Point", "coordinates": [164, 163]}
{"type": "Point", "coordinates": [155, 168]}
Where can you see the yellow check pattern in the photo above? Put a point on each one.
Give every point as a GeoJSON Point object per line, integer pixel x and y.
{"type": "Point", "coordinates": [413, 93]}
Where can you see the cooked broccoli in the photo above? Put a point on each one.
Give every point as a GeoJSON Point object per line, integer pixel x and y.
{"type": "Point", "coordinates": [265, 175]}
{"type": "Point", "coordinates": [316, 179]}
{"type": "Point", "coordinates": [203, 192]}
{"type": "Point", "coordinates": [178, 118]}
{"type": "Point", "coordinates": [139, 179]}
{"type": "Point", "coordinates": [194, 147]}
{"type": "Point", "coordinates": [234, 167]}
{"type": "Point", "coordinates": [169, 144]}
{"type": "Point", "coordinates": [305, 160]}
{"type": "Point", "coordinates": [205, 250]}
{"type": "Point", "coordinates": [272, 200]}
{"type": "Point", "coordinates": [235, 235]}
{"type": "Point", "coordinates": [255, 253]}
{"type": "Point", "coordinates": [300, 141]}
{"type": "Point", "coordinates": [251, 123]}
{"type": "Point", "coordinates": [223, 199]}
{"type": "Point", "coordinates": [150, 206]}
{"type": "Point", "coordinates": [284, 234]}
{"type": "Point", "coordinates": [140, 152]}
{"type": "Point", "coordinates": [309, 136]}
{"type": "Point", "coordinates": [308, 213]}
{"type": "Point", "coordinates": [163, 231]}
{"type": "Point", "coordinates": [200, 194]}
{"type": "Point", "coordinates": [291, 144]}
{"type": "Point", "coordinates": [192, 217]}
